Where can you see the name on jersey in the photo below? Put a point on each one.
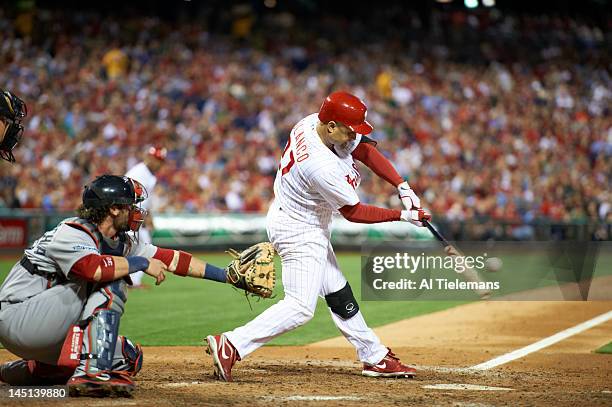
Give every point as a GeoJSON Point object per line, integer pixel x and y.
{"type": "Point", "coordinates": [301, 149]}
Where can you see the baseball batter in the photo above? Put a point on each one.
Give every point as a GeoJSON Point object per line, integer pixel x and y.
{"type": "Point", "coordinates": [61, 304]}
{"type": "Point", "coordinates": [144, 172]}
{"type": "Point", "coordinates": [12, 112]}
{"type": "Point", "coordinates": [317, 176]}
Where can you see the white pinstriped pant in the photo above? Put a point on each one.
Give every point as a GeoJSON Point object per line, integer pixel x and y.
{"type": "Point", "coordinates": [309, 270]}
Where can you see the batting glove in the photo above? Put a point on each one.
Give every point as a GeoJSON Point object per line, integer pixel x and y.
{"type": "Point", "coordinates": [408, 197]}
{"type": "Point", "coordinates": [415, 216]}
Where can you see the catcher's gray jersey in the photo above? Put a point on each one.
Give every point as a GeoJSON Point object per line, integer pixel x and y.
{"type": "Point", "coordinates": [37, 311]}
{"type": "Point", "coordinates": [55, 253]}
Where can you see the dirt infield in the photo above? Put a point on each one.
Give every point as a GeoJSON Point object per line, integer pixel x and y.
{"type": "Point", "coordinates": [442, 345]}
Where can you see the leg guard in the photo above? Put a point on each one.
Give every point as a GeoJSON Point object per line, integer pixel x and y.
{"type": "Point", "coordinates": [343, 302]}
{"type": "Point", "coordinates": [101, 334]}
{"type": "Point", "coordinates": [95, 375]}
{"type": "Point", "coordinates": [128, 357]}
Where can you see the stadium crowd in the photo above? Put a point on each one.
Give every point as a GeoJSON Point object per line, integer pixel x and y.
{"type": "Point", "coordinates": [489, 115]}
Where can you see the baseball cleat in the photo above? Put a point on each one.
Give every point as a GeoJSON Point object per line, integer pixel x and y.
{"type": "Point", "coordinates": [224, 356]}
{"type": "Point", "coordinates": [101, 385]}
{"type": "Point", "coordinates": [390, 366]}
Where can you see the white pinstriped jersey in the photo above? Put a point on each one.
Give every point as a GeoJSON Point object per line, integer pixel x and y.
{"type": "Point", "coordinates": [312, 182]}
{"type": "Point", "coordinates": [141, 173]}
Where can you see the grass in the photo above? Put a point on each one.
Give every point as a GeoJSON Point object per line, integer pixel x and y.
{"type": "Point", "coordinates": [182, 311]}
{"type": "Point", "coordinates": [605, 349]}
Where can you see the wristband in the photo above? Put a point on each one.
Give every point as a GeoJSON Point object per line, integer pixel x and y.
{"type": "Point", "coordinates": [215, 273]}
{"type": "Point", "coordinates": [137, 263]}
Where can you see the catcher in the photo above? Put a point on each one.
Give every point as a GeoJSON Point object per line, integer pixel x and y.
{"type": "Point", "coordinates": [61, 304]}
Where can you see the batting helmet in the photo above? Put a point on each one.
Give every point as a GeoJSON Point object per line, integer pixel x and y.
{"type": "Point", "coordinates": [108, 190]}
{"type": "Point", "coordinates": [347, 109]}
{"type": "Point", "coordinates": [12, 112]}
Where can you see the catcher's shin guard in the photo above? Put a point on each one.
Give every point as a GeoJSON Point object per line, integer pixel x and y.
{"type": "Point", "coordinates": [96, 375]}
{"type": "Point", "coordinates": [129, 358]}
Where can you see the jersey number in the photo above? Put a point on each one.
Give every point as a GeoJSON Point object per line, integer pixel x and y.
{"type": "Point", "coordinates": [287, 167]}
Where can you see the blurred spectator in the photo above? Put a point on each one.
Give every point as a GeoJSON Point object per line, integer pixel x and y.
{"type": "Point", "coordinates": [115, 63]}
{"type": "Point", "coordinates": [492, 116]}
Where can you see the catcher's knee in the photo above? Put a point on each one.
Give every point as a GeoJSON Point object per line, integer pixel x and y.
{"type": "Point", "coordinates": [116, 295]}
{"type": "Point", "coordinates": [343, 302]}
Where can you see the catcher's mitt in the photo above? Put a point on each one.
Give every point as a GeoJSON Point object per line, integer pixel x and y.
{"type": "Point", "coordinates": [253, 269]}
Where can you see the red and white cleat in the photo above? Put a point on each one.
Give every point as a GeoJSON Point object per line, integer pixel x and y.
{"type": "Point", "coordinates": [114, 384]}
{"type": "Point", "coordinates": [390, 366]}
{"type": "Point", "coordinates": [224, 356]}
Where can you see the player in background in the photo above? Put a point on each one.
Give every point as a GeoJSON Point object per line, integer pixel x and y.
{"type": "Point", "coordinates": [61, 304]}
{"type": "Point", "coordinates": [12, 112]}
{"type": "Point", "coordinates": [144, 172]}
{"type": "Point", "coordinates": [317, 175]}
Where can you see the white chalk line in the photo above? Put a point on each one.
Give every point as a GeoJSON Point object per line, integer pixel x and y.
{"type": "Point", "coordinates": [182, 384]}
{"type": "Point", "coordinates": [541, 344]}
{"type": "Point", "coordinates": [313, 398]}
{"type": "Point", "coordinates": [462, 386]}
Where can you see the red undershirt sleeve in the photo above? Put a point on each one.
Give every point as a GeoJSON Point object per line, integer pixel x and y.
{"type": "Point", "coordinates": [86, 267]}
{"type": "Point", "coordinates": [378, 163]}
{"type": "Point", "coordinates": [362, 213]}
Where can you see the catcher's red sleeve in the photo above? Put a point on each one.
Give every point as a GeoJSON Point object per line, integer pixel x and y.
{"type": "Point", "coordinates": [362, 213]}
{"type": "Point", "coordinates": [86, 268]}
{"type": "Point", "coordinates": [374, 160]}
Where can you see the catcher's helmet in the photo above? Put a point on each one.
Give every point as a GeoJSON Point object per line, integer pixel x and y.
{"type": "Point", "coordinates": [347, 109]}
{"type": "Point", "coordinates": [117, 190]}
{"type": "Point", "coordinates": [113, 190]}
{"type": "Point", "coordinates": [12, 112]}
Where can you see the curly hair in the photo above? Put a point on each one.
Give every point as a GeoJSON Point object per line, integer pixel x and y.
{"type": "Point", "coordinates": [94, 215]}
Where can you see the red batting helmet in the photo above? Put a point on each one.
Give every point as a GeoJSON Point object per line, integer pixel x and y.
{"type": "Point", "coordinates": [347, 109]}
{"type": "Point", "coordinates": [158, 152]}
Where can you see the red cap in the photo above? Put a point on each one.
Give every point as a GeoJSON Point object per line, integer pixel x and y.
{"type": "Point", "coordinates": [347, 109]}
{"type": "Point", "coordinates": [158, 152]}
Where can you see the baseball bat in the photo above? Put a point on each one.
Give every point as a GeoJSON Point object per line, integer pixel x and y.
{"type": "Point", "coordinates": [469, 273]}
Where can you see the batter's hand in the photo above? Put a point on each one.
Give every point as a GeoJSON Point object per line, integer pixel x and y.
{"type": "Point", "coordinates": [156, 270]}
{"type": "Point", "coordinates": [408, 197]}
{"type": "Point", "coordinates": [415, 216]}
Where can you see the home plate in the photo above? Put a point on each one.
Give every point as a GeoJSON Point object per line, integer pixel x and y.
{"type": "Point", "coordinates": [459, 386]}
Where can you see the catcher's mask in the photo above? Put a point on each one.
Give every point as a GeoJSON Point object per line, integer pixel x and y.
{"type": "Point", "coordinates": [12, 112]}
{"type": "Point", "coordinates": [118, 190]}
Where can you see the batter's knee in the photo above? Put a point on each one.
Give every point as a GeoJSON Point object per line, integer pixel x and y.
{"type": "Point", "coordinates": [343, 302]}
{"type": "Point", "coordinates": [302, 311]}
